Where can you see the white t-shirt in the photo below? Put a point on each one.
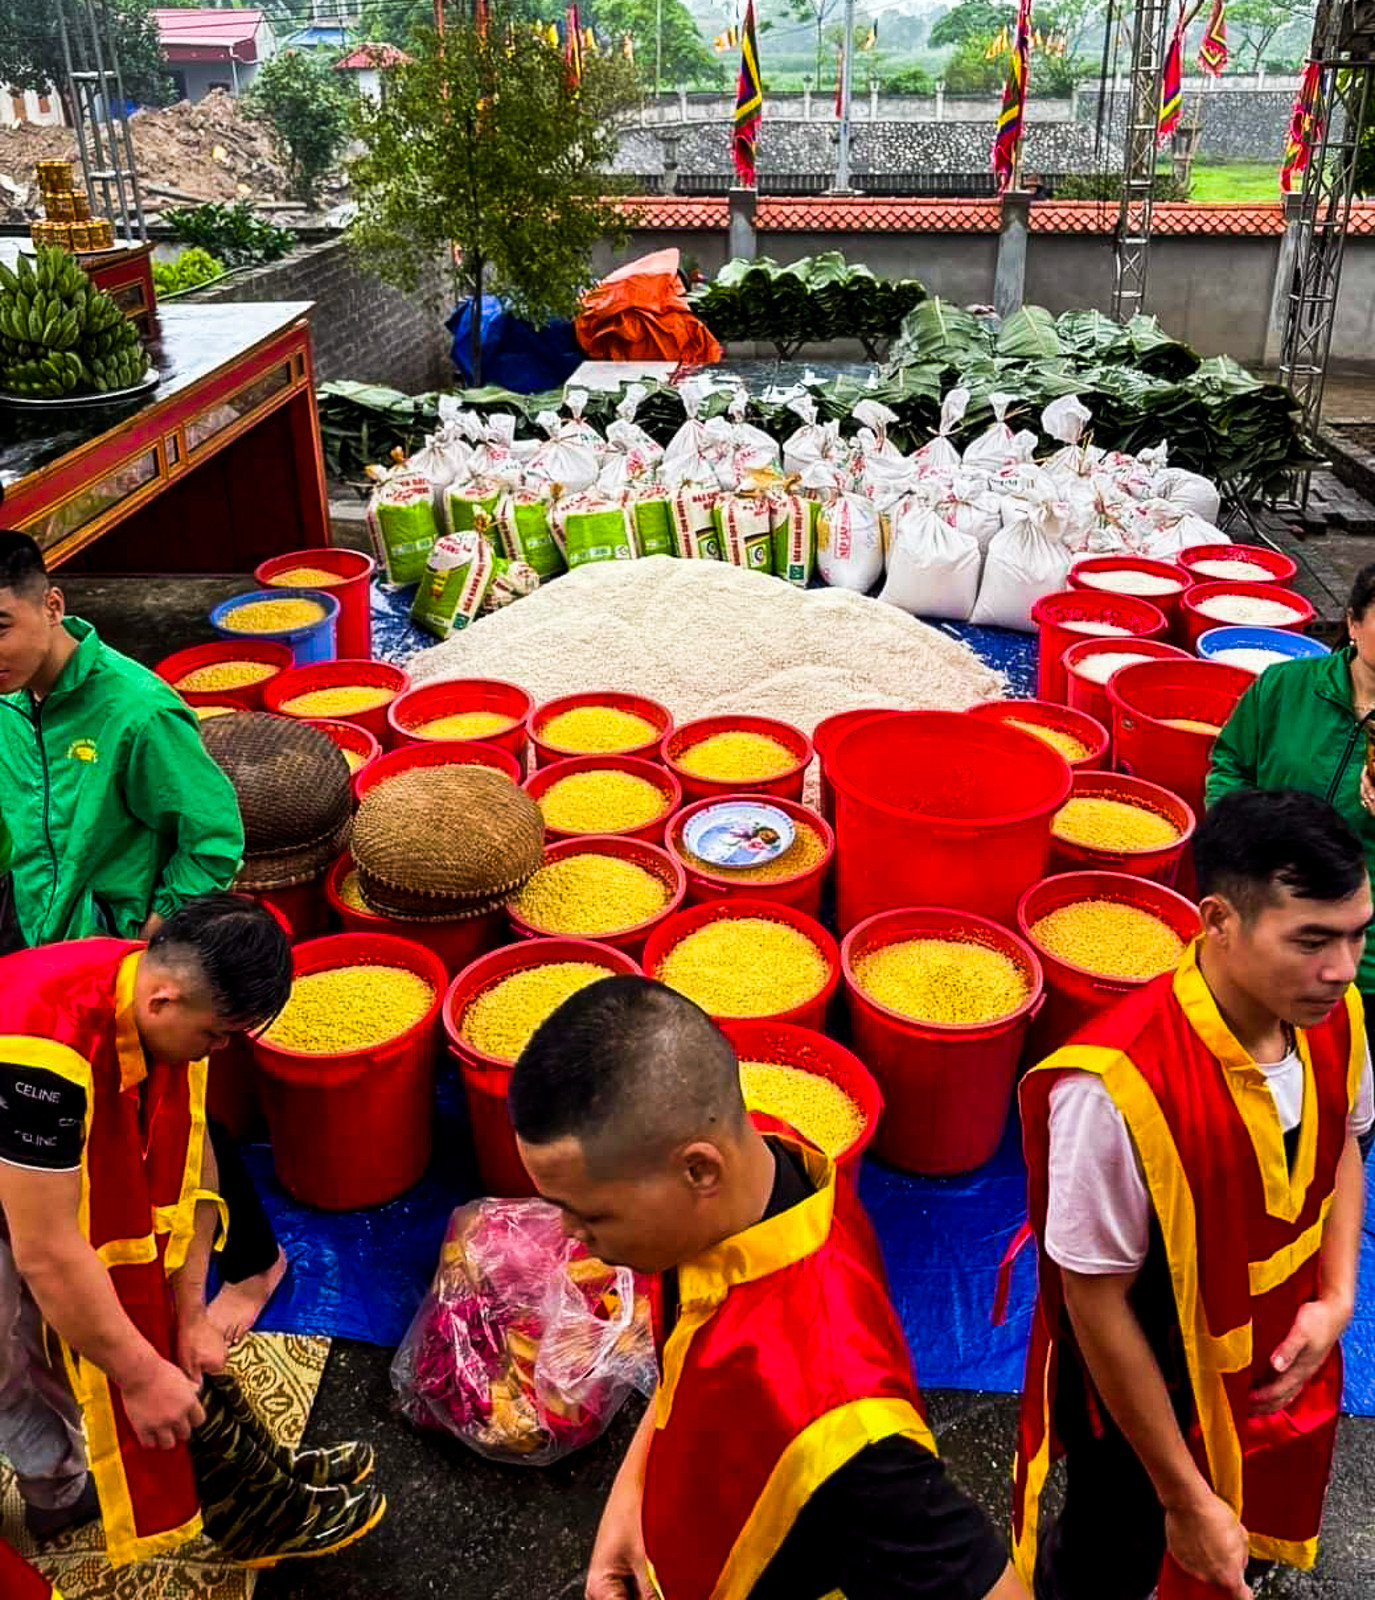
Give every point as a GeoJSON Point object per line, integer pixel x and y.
{"type": "Point", "coordinates": [1098, 1217]}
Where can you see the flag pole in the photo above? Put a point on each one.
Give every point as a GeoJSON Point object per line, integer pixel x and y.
{"type": "Point", "coordinates": [658, 46]}
{"type": "Point", "coordinates": [842, 183]}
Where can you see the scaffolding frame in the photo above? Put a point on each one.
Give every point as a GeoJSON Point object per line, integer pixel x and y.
{"type": "Point", "coordinates": [96, 92]}
{"type": "Point", "coordinates": [1132, 241]}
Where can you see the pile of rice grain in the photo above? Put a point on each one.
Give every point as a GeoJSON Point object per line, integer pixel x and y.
{"type": "Point", "coordinates": [707, 638]}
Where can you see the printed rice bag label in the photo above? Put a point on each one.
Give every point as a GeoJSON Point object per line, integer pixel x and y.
{"type": "Point", "coordinates": [794, 538]}
{"type": "Point", "coordinates": [526, 535]}
{"type": "Point", "coordinates": [402, 526]}
{"type": "Point", "coordinates": [653, 523]}
{"type": "Point", "coordinates": [747, 532]}
{"type": "Point", "coordinates": [696, 531]}
{"type": "Point", "coordinates": [592, 530]}
{"type": "Point", "coordinates": [511, 580]}
{"type": "Point", "coordinates": [463, 502]}
{"type": "Point", "coordinates": [458, 574]}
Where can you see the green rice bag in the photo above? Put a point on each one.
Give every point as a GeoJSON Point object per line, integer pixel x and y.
{"type": "Point", "coordinates": [402, 526]}
{"type": "Point", "coordinates": [653, 509]}
{"type": "Point", "coordinates": [696, 532]}
{"type": "Point", "coordinates": [511, 580]}
{"type": "Point", "coordinates": [592, 528]}
{"type": "Point", "coordinates": [471, 503]}
{"type": "Point", "coordinates": [793, 520]}
{"type": "Point", "coordinates": [458, 574]}
{"type": "Point", "coordinates": [746, 531]}
{"type": "Point", "coordinates": [523, 518]}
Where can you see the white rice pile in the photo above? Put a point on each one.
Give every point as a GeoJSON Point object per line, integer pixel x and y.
{"type": "Point", "coordinates": [1232, 570]}
{"type": "Point", "coordinates": [1258, 612]}
{"type": "Point", "coordinates": [1126, 580]}
{"type": "Point", "coordinates": [1099, 630]}
{"type": "Point", "coordinates": [1249, 658]}
{"type": "Point", "coordinates": [1100, 667]}
{"type": "Point", "coordinates": [707, 638]}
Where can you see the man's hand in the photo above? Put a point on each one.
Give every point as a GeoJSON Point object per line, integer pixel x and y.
{"type": "Point", "coordinates": [1317, 1327]}
{"type": "Point", "coordinates": [163, 1407]}
{"type": "Point", "coordinates": [617, 1570]}
{"type": "Point", "coordinates": [1206, 1540]}
{"type": "Point", "coordinates": [201, 1346]}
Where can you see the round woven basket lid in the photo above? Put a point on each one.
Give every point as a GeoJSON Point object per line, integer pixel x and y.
{"type": "Point", "coordinates": [283, 869]}
{"type": "Point", "coordinates": [292, 780]}
{"type": "Point", "coordinates": [447, 841]}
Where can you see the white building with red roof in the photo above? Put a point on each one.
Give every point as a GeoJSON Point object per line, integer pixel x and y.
{"type": "Point", "coordinates": [214, 49]}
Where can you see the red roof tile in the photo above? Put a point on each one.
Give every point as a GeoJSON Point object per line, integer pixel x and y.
{"type": "Point", "coordinates": [680, 211]}
{"type": "Point", "coordinates": [370, 56]}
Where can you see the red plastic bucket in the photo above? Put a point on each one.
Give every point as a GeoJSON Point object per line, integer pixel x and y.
{"type": "Point", "coordinates": [784, 1044]}
{"type": "Point", "coordinates": [435, 753]}
{"type": "Point", "coordinates": [454, 696]}
{"type": "Point", "coordinates": [811, 1013]}
{"type": "Point", "coordinates": [825, 736]}
{"type": "Point", "coordinates": [638, 705]}
{"type": "Point", "coordinates": [354, 1130]}
{"type": "Point", "coordinates": [1160, 864]}
{"type": "Point", "coordinates": [301, 909]}
{"type": "Point", "coordinates": [1090, 573]}
{"type": "Point", "coordinates": [544, 778]}
{"type": "Point", "coordinates": [946, 1088]}
{"type": "Point", "coordinates": [250, 697]}
{"type": "Point", "coordinates": [1073, 993]}
{"type": "Point", "coordinates": [1147, 697]}
{"type": "Point", "coordinates": [787, 784]}
{"type": "Point", "coordinates": [352, 740]}
{"type": "Point", "coordinates": [1274, 567]}
{"type": "Point", "coordinates": [651, 858]}
{"type": "Point", "coordinates": [340, 675]}
{"type": "Point", "coordinates": [939, 806]}
{"type": "Point", "coordinates": [353, 630]}
{"type": "Point", "coordinates": [1195, 621]}
{"type": "Point", "coordinates": [801, 889]}
{"type": "Point", "coordinates": [1055, 616]}
{"type": "Point", "coordinates": [1083, 694]}
{"type": "Point", "coordinates": [1089, 732]}
{"type": "Point", "coordinates": [486, 1078]}
{"type": "Point", "coordinates": [455, 943]}
{"type": "Point", "coordinates": [231, 1087]}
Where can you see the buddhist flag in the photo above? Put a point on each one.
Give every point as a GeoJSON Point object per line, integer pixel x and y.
{"type": "Point", "coordinates": [1305, 126]}
{"type": "Point", "coordinates": [1013, 113]}
{"type": "Point", "coordinates": [480, 17]}
{"type": "Point", "coordinates": [871, 38]}
{"type": "Point", "coordinates": [628, 48]}
{"type": "Point", "coordinates": [1212, 52]}
{"type": "Point", "coordinates": [749, 105]}
{"type": "Point", "coordinates": [572, 46]}
{"type": "Point", "coordinates": [1172, 85]}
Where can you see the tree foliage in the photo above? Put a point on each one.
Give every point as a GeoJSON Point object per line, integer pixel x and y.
{"type": "Point", "coordinates": [971, 71]}
{"type": "Point", "coordinates": [307, 106]}
{"type": "Point", "coordinates": [971, 20]}
{"type": "Point", "coordinates": [817, 14]}
{"type": "Point", "coordinates": [31, 47]}
{"type": "Point", "coordinates": [685, 56]}
{"type": "Point", "coordinates": [482, 144]}
{"type": "Point", "coordinates": [1254, 24]}
{"type": "Point", "coordinates": [909, 80]}
{"type": "Point", "coordinates": [393, 21]}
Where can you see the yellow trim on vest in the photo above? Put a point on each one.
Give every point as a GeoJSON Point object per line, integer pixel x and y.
{"type": "Point", "coordinates": [46, 1055]}
{"type": "Point", "coordinates": [128, 1252]}
{"type": "Point", "coordinates": [815, 1455]}
{"type": "Point", "coordinates": [1300, 1553]}
{"type": "Point", "coordinates": [133, 1066]}
{"type": "Point", "coordinates": [1280, 1267]}
{"type": "Point", "coordinates": [1037, 1471]}
{"type": "Point", "coordinates": [179, 1219]}
{"type": "Point", "coordinates": [1355, 1065]}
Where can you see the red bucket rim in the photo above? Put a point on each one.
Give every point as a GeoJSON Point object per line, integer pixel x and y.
{"type": "Point", "coordinates": [434, 753]}
{"type": "Point", "coordinates": [839, 723]}
{"type": "Point", "coordinates": [1050, 714]}
{"type": "Point", "coordinates": [1192, 554]}
{"type": "Point", "coordinates": [621, 847]}
{"type": "Point", "coordinates": [1129, 891]}
{"type": "Point", "coordinates": [1045, 613]}
{"type": "Point", "coordinates": [793, 808]}
{"type": "Point", "coordinates": [774, 728]}
{"type": "Point", "coordinates": [1216, 588]}
{"type": "Point", "coordinates": [343, 673]}
{"type": "Point", "coordinates": [1155, 649]}
{"type": "Point", "coordinates": [266, 652]}
{"type": "Point", "coordinates": [1003, 939]}
{"type": "Point", "coordinates": [347, 734]}
{"type": "Point", "coordinates": [417, 693]}
{"type": "Point", "coordinates": [319, 556]}
{"type": "Point", "coordinates": [653, 772]}
{"type": "Point", "coordinates": [1236, 677]}
{"type": "Point", "coordinates": [1129, 563]}
{"type": "Point", "coordinates": [654, 711]}
{"type": "Point", "coordinates": [1150, 796]}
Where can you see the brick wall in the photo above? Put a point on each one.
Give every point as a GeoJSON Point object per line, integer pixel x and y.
{"type": "Point", "coordinates": [360, 328]}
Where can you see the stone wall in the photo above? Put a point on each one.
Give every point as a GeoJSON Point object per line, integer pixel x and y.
{"type": "Point", "coordinates": [360, 328]}
{"type": "Point", "coordinates": [1250, 126]}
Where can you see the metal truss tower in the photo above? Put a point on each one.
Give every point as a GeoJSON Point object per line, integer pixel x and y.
{"type": "Point", "coordinates": [1131, 247]}
{"type": "Point", "coordinates": [100, 112]}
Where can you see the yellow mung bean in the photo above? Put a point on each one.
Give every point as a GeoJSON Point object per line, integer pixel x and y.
{"type": "Point", "coordinates": [351, 893]}
{"type": "Point", "coordinates": [273, 616]}
{"type": "Point", "coordinates": [344, 700]}
{"type": "Point", "coordinates": [349, 1008]}
{"type": "Point", "coordinates": [305, 578]}
{"type": "Point", "coordinates": [745, 967]}
{"type": "Point", "coordinates": [1104, 824]}
{"type": "Point", "coordinates": [1113, 940]}
{"type": "Point", "coordinates": [597, 730]}
{"type": "Point", "coordinates": [1070, 748]}
{"type": "Point", "coordinates": [465, 725]}
{"type": "Point", "coordinates": [1193, 725]}
{"type": "Point", "coordinates": [749, 757]}
{"type": "Point", "coordinates": [807, 848]}
{"type": "Point", "coordinates": [225, 675]}
{"type": "Point", "coordinates": [818, 1109]}
{"type": "Point", "coordinates": [355, 758]}
{"type": "Point", "coordinates": [951, 981]}
{"type": "Point", "coordinates": [204, 712]}
{"type": "Point", "coordinates": [502, 1019]}
{"type": "Point", "coordinates": [590, 894]}
{"type": "Point", "coordinates": [602, 802]}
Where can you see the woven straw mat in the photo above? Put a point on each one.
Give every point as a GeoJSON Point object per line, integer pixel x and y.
{"type": "Point", "coordinates": [292, 781]}
{"type": "Point", "coordinates": [446, 842]}
{"type": "Point", "coordinates": [280, 1374]}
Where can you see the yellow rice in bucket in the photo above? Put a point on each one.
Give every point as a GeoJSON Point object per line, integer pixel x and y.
{"type": "Point", "coordinates": [954, 982]}
{"type": "Point", "coordinates": [602, 802]}
{"type": "Point", "coordinates": [465, 725]}
{"type": "Point", "coordinates": [502, 1019]}
{"type": "Point", "coordinates": [1099, 823]}
{"type": "Point", "coordinates": [343, 700]}
{"type": "Point", "coordinates": [272, 616]}
{"type": "Point", "coordinates": [597, 730]}
{"type": "Point", "coordinates": [745, 967]}
{"type": "Point", "coordinates": [305, 578]}
{"type": "Point", "coordinates": [737, 756]}
{"type": "Point", "coordinates": [1111, 939]}
{"type": "Point", "coordinates": [589, 894]}
{"type": "Point", "coordinates": [818, 1109]}
{"type": "Point", "coordinates": [349, 1008]}
{"type": "Point", "coordinates": [224, 675]}
{"type": "Point", "coordinates": [1070, 748]}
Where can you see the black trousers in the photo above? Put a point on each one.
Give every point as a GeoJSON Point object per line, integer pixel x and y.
{"type": "Point", "coordinates": [250, 1247]}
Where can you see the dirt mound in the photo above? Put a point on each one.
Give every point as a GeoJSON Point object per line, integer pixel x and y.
{"type": "Point", "coordinates": [209, 151]}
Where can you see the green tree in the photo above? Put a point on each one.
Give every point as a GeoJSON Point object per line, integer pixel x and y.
{"type": "Point", "coordinates": [970, 71]}
{"type": "Point", "coordinates": [482, 153]}
{"type": "Point", "coordinates": [685, 56]}
{"type": "Point", "coordinates": [1253, 24]}
{"type": "Point", "coordinates": [971, 20]}
{"type": "Point", "coordinates": [31, 48]}
{"type": "Point", "coordinates": [303, 100]}
{"type": "Point", "coordinates": [816, 14]}
{"type": "Point", "coordinates": [909, 80]}
{"type": "Point", "coordinates": [393, 21]}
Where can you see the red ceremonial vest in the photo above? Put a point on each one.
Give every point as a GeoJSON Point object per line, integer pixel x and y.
{"type": "Point", "coordinates": [786, 1361]}
{"type": "Point", "coordinates": [69, 1009]}
{"type": "Point", "coordinates": [1242, 1233]}
{"type": "Point", "coordinates": [19, 1581]}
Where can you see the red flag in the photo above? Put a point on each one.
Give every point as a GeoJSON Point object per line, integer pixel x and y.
{"type": "Point", "coordinates": [572, 46]}
{"type": "Point", "coordinates": [1013, 113]}
{"type": "Point", "coordinates": [480, 17]}
{"type": "Point", "coordinates": [840, 82]}
{"type": "Point", "coordinates": [1305, 126]}
{"type": "Point", "coordinates": [1212, 51]}
{"type": "Point", "coordinates": [1171, 85]}
{"type": "Point", "coordinates": [749, 105]}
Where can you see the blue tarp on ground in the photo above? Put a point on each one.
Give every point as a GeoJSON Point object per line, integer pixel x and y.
{"type": "Point", "coordinates": [514, 355]}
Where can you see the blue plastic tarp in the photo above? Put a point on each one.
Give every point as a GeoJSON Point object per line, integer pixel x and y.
{"type": "Point", "coordinates": [514, 355]}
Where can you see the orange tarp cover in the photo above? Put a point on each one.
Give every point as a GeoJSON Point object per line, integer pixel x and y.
{"type": "Point", "coordinates": [639, 313]}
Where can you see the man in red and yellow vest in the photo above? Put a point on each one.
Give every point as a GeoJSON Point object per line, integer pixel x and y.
{"type": "Point", "coordinates": [106, 1186]}
{"type": "Point", "coordinates": [1196, 1191]}
{"type": "Point", "coordinates": [19, 1581]}
{"type": "Point", "coordinates": [785, 1455]}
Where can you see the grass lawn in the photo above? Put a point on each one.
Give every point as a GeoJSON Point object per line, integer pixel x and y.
{"type": "Point", "coordinates": [1237, 181]}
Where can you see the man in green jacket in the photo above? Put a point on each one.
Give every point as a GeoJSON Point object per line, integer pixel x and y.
{"type": "Point", "coordinates": [118, 813]}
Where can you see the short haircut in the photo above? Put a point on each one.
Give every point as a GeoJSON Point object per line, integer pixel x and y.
{"type": "Point", "coordinates": [238, 949]}
{"type": "Point", "coordinates": [630, 1069]}
{"type": "Point", "coordinates": [1254, 843]}
{"type": "Point", "coordinates": [1362, 592]}
{"type": "Point", "coordinates": [22, 570]}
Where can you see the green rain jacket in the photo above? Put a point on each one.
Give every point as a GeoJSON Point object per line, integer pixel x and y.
{"type": "Point", "coordinates": [115, 808]}
{"type": "Point", "coordinates": [1296, 728]}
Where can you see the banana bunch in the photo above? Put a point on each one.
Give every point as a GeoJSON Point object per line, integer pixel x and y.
{"type": "Point", "coordinates": [60, 334]}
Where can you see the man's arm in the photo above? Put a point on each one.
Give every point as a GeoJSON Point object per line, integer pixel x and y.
{"type": "Point", "coordinates": [75, 1295]}
{"type": "Point", "coordinates": [201, 1346]}
{"type": "Point", "coordinates": [1203, 1534]}
{"type": "Point", "coordinates": [172, 786]}
{"type": "Point", "coordinates": [617, 1569]}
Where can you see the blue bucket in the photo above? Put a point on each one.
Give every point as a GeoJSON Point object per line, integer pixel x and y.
{"type": "Point", "coordinates": [1296, 646]}
{"type": "Point", "coordinates": [312, 642]}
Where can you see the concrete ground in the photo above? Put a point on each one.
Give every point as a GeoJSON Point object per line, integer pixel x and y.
{"type": "Point", "coordinates": [461, 1528]}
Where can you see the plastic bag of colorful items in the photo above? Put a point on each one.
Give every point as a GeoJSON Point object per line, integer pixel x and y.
{"type": "Point", "coordinates": [525, 1346]}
